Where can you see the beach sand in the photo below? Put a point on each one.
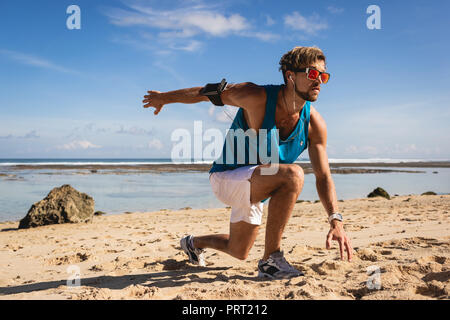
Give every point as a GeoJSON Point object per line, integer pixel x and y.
{"type": "Point", "coordinates": [405, 240]}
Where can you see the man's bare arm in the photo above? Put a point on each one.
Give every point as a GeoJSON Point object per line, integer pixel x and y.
{"type": "Point", "coordinates": [243, 95]}
{"type": "Point", "coordinates": [324, 182]}
{"type": "Point", "coordinates": [319, 161]}
{"type": "Point", "coordinates": [247, 95]}
{"type": "Point", "coordinates": [159, 99]}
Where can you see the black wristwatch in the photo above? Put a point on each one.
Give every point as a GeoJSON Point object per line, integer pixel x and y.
{"type": "Point", "coordinates": [213, 92]}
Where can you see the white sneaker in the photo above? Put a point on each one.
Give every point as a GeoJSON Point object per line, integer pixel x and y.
{"type": "Point", "coordinates": [195, 255]}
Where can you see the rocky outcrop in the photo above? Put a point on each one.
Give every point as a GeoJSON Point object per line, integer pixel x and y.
{"type": "Point", "coordinates": [62, 205]}
{"type": "Point", "coordinates": [379, 192]}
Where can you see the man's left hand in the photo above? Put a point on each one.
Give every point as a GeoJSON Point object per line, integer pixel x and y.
{"type": "Point", "coordinates": [337, 233]}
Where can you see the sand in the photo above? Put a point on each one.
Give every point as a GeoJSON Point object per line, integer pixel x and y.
{"type": "Point", "coordinates": [401, 252]}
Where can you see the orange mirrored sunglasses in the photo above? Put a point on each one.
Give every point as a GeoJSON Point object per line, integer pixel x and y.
{"type": "Point", "coordinates": [313, 74]}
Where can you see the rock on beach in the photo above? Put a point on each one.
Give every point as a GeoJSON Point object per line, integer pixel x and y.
{"type": "Point", "coordinates": [62, 205]}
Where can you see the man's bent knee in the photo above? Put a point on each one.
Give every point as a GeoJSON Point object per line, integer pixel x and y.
{"type": "Point", "coordinates": [242, 238]}
{"type": "Point", "coordinates": [240, 252]}
{"type": "Point", "coordinates": [293, 176]}
{"type": "Point", "coordinates": [241, 255]}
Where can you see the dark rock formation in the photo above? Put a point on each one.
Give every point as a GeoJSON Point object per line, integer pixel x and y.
{"type": "Point", "coordinates": [62, 205]}
{"type": "Point", "coordinates": [379, 192]}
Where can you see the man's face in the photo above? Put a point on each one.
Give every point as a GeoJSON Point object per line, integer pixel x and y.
{"type": "Point", "coordinates": [309, 89]}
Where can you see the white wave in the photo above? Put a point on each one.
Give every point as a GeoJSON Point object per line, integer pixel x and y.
{"type": "Point", "coordinates": [374, 160]}
{"type": "Point", "coordinates": [149, 162]}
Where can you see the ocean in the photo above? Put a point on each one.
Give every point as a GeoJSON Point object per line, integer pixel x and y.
{"type": "Point", "coordinates": [118, 161]}
{"type": "Point", "coordinates": [149, 191]}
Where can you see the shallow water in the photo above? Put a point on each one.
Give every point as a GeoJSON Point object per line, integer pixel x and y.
{"type": "Point", "coordinates": [115, 193]}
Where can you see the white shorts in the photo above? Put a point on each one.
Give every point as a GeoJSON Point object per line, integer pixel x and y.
{"type": "Point", "coordinates": [232, 187]}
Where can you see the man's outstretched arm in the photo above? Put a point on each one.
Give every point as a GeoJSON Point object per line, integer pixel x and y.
{"type": "Point", "coordinates": [158, 99]}
{"type": "Point", "coordinates": [324, 182]}
{"type": "Point", "coordinates": [244, 95]}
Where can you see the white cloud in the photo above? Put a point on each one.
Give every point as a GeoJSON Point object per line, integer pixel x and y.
{"type": "Point", "coordinates": [177, 34]}
{"type": "Point", "coordinates": [226, 114]}
{"type": "Point", "coordinates": [369, 150]}
{"type": "Point", "coordinates": [183, 22]}
{"type": "Point", "coordinates": [135, 131]}
{"type": "Point", "coordinates": [85, 130]}
{"type": "Point", "coordinates": [263, 36]}
{"type": "Point", "coordinates": [176, 27]}
{"type": "Point", "coordinates": [191, 46]}
{"type": "Point", "coordinates": [402, 149]}
{"type": "Point", "coordinates": [155, 144]}
{"type": "Point", "coordinates": [75, 145]}
{"type": "Point", "coordinates": [29, 135]}
{"type": "Point", "coordinates": [34, 61]}
{"type": "Point", "coordinates": [309, 25]}
{"type": "Point", "coordinates": [269, 21]}
{"type": "Point", "coordinates": [351, 149]}
{"type": "Point", "coordinates": [211, 110]}
{"type": "Point", "coordinates": [335, 10]}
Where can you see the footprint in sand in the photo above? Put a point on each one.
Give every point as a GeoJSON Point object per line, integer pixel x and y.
{"type": "Point", "coordinates": [434, 289]}
{"type": "Point", "coordinates": [76, 258]}
{"type": "Point", "coordinates": [386, 252]}
{"type": "Point", "coordinates": [140, 292]}
{"type": "Point", "coordinates": [170, 264]}
{"type": "Point", "coordinates": [327, 267]}
{"type": "Point", "coordinates": [367, 254]}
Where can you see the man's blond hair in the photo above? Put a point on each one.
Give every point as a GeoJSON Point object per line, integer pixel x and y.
{"type": "Point", "coordinates": [300, 57]}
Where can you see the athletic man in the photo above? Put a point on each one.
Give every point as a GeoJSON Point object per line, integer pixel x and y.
{"type": "Point", "coordinates": [245, 185]}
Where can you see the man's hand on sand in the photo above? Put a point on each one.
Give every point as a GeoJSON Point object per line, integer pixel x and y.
{"type": "Point", "coordinates": [337, 233]}
{"type": "Point", "coordinates": [153, 99]}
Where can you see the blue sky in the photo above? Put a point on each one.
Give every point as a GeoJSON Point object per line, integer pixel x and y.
{"type": "Point", "coordinates": [77, 93]}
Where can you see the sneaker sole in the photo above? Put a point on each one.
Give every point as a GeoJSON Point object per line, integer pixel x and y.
{"type": "Point", "coordinates": [266, 275]}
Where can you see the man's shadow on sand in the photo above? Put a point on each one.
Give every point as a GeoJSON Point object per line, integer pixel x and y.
{"type": "Point", "coordinates": [177, 274]}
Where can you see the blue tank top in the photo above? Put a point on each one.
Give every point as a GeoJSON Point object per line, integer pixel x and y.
{"type": "Point", "coordinates": [258, 150]}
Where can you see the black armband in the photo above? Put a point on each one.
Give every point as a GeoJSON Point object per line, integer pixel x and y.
{"type": "Point", "coordinates": [213, 92]}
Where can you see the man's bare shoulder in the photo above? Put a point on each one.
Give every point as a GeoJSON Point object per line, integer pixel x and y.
{"type": "Point", "coordinates": [248, 87]}
{"type": "Point", "coordinates": [246, 95]}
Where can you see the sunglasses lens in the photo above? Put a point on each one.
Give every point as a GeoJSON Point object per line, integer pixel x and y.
{"type": "Point", "coordinates": [313, 74]}
{"type": "Point", "coordinates": [325, 77]}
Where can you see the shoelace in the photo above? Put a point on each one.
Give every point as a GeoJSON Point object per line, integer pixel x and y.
{"type": "Point", "coordinates": [282, 263]}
